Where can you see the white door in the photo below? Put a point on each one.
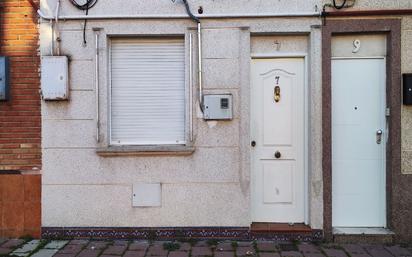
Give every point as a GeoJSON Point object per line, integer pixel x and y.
{"type": "Point", "coordinates": [358, 142]}
{"type": "Point", "coordinates": [277, 131]}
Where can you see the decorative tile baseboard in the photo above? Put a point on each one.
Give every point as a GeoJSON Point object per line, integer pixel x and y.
{"type": "Point", "coordinates": [176, 233]}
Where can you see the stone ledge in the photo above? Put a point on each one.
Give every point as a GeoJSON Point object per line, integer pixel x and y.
{"type": "Point", "coordinates": [166, 150]}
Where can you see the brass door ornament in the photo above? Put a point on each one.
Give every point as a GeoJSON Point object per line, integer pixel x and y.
{"type": "Point", "coordinates": [277, 94]}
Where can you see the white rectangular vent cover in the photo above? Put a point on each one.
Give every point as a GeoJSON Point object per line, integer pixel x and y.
{"type": "Point", "coordinates": [147, 195]}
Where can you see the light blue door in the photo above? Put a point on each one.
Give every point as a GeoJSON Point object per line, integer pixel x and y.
{"type": "Point", "coordinates": [358, 142]}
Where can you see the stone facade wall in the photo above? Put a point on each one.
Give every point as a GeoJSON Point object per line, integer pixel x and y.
{"type": "Point", "coordinates": [207, 188]}
{"type": "Point", "coordinates": [210, 187]}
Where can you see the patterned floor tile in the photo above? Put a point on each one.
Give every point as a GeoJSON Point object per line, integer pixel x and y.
{"type": "Point", "coordinates": [56, 244]}
{"type": "Point", "coordinates": [398, 251]}
{"type": "Point", "coordinates": [45, 253]}
{"type": "Point", "coordinates": [291, 254]}
{"type": "Point", "coordinates": [201, 251]}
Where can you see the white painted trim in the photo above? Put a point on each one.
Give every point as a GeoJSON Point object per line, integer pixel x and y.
{"type": "Point", "coordinates": [148, 143]}
{"type": "Point", "coordinates": [278, 55]}
{"type": "Point", "coordinates": [355, 57]}
{"type": "Point", "coordinates": [306, 140]}
{"type": "Point", "coordinates": [306, 121]}
{"type": "Point", "coordinates": [361, 231]}
{"type": "Point", "coordinates": [109, 91]}
{"type": "Point", "coordinates": [186, 40]}
{"type": "Point", "coordinates": [191, 87]}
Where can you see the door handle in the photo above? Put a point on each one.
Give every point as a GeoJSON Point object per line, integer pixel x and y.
{"type": "Point", "coordinates": [379, 134]}
{"type": "Point", "coordinates": [278, 155]}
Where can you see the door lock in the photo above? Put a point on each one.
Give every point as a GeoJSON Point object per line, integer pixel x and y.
{"type": "Point", "coordinates": [253, 143]}
{"type": "Point", "coordinates": [278, 155]}
{"type": "Point", "coordinates": [379, 134]}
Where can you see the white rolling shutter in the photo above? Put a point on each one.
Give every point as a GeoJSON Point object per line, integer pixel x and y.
{"type": "Point", "coordinates": [147, 91]}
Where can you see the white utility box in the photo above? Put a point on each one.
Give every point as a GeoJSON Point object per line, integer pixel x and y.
{"type": "Point", "coordinates": [147, 195]}
{"type": "Point", "coordinates": [218, 107]}
{"type": "Point", "coordinates": [55, 77]}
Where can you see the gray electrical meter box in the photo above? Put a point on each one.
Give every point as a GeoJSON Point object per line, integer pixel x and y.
{"type": "Point", "coordinates": [54, 77]}
{"type": "Point", "coordinates": [218, 107]}
{"type": "Point", "coordinates": [4, 78]}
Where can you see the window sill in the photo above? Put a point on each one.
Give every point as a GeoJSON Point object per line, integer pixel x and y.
{"type": "Point", "coordinates": [168, 150]}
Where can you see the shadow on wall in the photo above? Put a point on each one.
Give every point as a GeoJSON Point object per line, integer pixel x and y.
{"type": "Point", "coordinates": [20, 116]}
{"type": "Point", "coordinates": [20, 123]}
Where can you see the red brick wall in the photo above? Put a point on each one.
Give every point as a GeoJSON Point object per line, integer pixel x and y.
{"type": "Point", "coordinates": [20, 123]}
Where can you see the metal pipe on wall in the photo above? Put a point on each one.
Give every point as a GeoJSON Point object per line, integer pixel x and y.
{"type": "Point", "coordinates": [56, 27]}
{"type": "Point", "coordinates": [181, 16]}
{"type": "Point", "coordinates": [96, 31]}
{"type": "Point", "coordinates": [200, 70]}
{"type": "Point", "coordinates": [191, 87]}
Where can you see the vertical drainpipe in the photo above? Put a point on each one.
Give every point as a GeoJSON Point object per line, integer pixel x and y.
{"type": "Point", "coordinates": [56, 27]}
{"type": "Point", "coordinates": [97, 55]}
{"type": "Point", "coordinates": [199, 38]}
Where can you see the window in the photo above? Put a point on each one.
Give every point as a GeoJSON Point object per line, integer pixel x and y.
{"type": "Point", "coordinates": [147, 91]}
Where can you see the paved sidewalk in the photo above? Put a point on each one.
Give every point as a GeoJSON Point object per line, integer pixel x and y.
{"type": "Point", "coordinates": [89, 248]}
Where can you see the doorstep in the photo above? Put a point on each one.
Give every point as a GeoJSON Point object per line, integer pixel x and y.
{"type": "Point", "coordinates": [365, 234]}
{"type": "Point", "coordinates": [285, 232]}
{"type": "Point", "coordinates": [279, 227]}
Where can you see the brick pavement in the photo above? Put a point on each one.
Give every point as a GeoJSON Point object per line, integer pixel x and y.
{"type": "Point", "coordinates": [211, 248]}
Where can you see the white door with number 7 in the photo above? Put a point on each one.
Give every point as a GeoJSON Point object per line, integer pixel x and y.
{"type": "Point", "coordinates": [277, 134]}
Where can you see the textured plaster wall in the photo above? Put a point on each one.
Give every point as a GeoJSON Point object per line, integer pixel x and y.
{"type": "Point", "coordinates": [208, 188]}
{"type": "Point", "coordinates": [402, 212]}
{"type": "Point", "coordinates": [211, 187]}
{"type": "Point", "coordinates": [83, 189]}
{"type": "Point", "coordinates": [406, 110]}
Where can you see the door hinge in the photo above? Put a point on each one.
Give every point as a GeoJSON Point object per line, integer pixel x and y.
{"type": "Point", "coordinates": [388, 112]}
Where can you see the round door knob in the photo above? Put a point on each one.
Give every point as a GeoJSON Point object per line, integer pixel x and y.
{"type": "Point", "coordinates": [278, 154]}
{"type": "Point", "coordinates": [253, 143]}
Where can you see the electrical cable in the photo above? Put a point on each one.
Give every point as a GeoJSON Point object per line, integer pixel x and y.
{"type": "Point", "coordinates": [339, 6]}
{"type": "Point", "coordinates": [196, 19]}
{"type": "Point", "coordinates": [84, 7]}
{"type": "Point", "coordinates": [87, 5]}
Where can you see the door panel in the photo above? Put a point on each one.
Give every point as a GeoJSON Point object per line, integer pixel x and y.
{"type": "Point", "coordinates": [277, 125]}
{"type": "Point", "coordinates": [273, 134]}
{"type": "Point", "coordinates": [358, 160]}
{"type": "Point", "coordinates": [278, 182]}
